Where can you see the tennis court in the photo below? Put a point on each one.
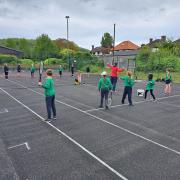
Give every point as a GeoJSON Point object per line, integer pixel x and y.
{"type": "Point", "coordinates": [87, 143]}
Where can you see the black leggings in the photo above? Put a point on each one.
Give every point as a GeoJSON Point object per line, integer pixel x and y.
{"type": "Point", "coordinates": [151, 92]}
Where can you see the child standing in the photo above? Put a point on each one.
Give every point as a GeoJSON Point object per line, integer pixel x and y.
{"type": "Point", "coordinates": [6, 71]}
{"type": "Point", "coordinates": [128, 84]}
{"type": "Point", "coordinates": [18, 69]}
{"type": "Point", "coordinates": [32, 70]}
{"type": "Point", "coordinates": [168, 81]}
{"type": "Point", "coordinates": [60, 70]}
{"type": "Point", "coordinates": [150, 86]}
{"type": "Point", "coordinates": [104, 86]}
{"type": "Point", "coordinates": [49, 92]}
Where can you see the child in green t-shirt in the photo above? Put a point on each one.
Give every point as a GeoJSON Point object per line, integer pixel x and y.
{"type": "Point", "coordinates": [104, 86]}
{"type": "Point", "coordinates": [150, 86]}
{"type": "Point", "coordinates": [128, 84]}
{"type": "Point", "coordinates": [49, 92]}
{"type": "Point", "coordinates": [60, 70]}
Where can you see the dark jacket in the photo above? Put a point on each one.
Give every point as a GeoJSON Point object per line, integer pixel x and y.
{"type": "Point", "coordinates": [6, 69]}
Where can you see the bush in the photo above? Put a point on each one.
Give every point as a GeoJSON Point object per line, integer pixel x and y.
{"type": "Point", "coordinates": [53, 61]}
{"type": "Point", "coordinates": [27, 62]}
{"type": "Point", "coordinates": [10, 59]}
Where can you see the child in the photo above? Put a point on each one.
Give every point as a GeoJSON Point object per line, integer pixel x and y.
{"type": "Point", "coordinates": [41, 68]}
{"type": "Point", "coordinates": [32, 70]}
{"type": "Point", "coordinates": [168, 80]}
{"type": "Point", "coordinates": [50, 95]}
{"type": "Point", "coordinates": [114, 74]}
{"type": "Point", "coordinates": [18, 69]}
{"type": "Point", "coordinates": [104, 86]}
{"type": "Point", "coordinates": [60, 70]}
{"type": "Point", "coordinates": [150, 86]}
{"type": "Point", "coordinates": [128, 84]}
{"type": "Point", "coordinates": [6, 71]}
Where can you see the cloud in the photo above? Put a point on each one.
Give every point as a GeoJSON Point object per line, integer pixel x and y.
{"type": "Point", "coordinates": [136, 20]}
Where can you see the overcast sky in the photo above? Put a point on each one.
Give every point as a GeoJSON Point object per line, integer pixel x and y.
{"type": "Point", "coordinates": [136, 20]}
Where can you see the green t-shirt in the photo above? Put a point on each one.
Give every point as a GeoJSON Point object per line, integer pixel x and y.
{"type": "Point", "coordinates": [61, 69]}
{"type": "Point", "coordinates": [48, 86]}
{"type": "Point", "coordinates": [32, 69]}
{"type": "Point", "coordinates": [105, 84]}
{"type": "Point", "coordinates": [168, 77]}
{"type": "Point", "coordinates": [150, 85]}
{"type": "Point", "coordinates": [128, 82]}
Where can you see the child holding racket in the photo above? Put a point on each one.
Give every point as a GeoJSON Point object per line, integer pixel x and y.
{"type": "Point", "coordinates": [150, 86]}
{"type": "Point", "coordinates": [128, 84]}
{"type": "Point", "coordinates": [104, 86]}
{"type": "Point", "coordinates": [49, 92]}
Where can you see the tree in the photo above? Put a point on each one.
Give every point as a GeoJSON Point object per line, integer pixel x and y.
{"type": "Point", "coordinates": [24, 46]}
{"type": "Point", "coordinates": [45, 48]}
{"type": "Point", "coordinates": [107, 40]}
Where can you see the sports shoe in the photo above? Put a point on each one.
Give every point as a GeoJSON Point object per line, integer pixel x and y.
{"type": "Point", "coordinates": [106, 107]}
{"type": "Point", "coordinates": [54, 118]}
{"type": "Point", "coordinates": [100, 106]}
{"type": "Point", "coordinates": [48, 120]}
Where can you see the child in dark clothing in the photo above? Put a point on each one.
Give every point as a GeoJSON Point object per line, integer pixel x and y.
{"type": "Point", "coordinates": [150, 86]}
{"type": "Point", "coordinates": [6, 71]}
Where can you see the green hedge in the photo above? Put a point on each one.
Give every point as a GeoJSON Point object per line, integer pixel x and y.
{"type": "Point", "coordinates": [10, 59]}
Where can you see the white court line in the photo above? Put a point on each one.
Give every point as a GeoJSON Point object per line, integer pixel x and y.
{"type": "Point", "coordinates": [136, 102]}
{"type": "Point", "coordinates": [114, 125]}
{"type": "Point", "coordinates": [26, 144]}
{"type": "Point", "coordinates": [68, 137]}
{"type": "Point", "coordinates": [77, 102]}
{"type": "Point", "coordinates": [5, 110]}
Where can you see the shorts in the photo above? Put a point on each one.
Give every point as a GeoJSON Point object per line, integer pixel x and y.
{"type": "Point", "coordinates": [168, 81]}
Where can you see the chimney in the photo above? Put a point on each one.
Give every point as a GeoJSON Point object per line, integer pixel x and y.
{"type": "Point", "coordinates": [150, 40]}
{"type": "Point", "coordinates": [92, 47]}
{"type": "Point", "coordinates": [163, 38]}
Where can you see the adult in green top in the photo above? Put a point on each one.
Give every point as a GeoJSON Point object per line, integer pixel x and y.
{"type": "Point", "coordinates": [168, 80]}
{"type": "Point", "coordinates": [104, 86]}
{"type": "Point", "coordinates": [49, 92]}
{"type": "Point", "coordinates": [150, 86]}
{"type": "Point", "coordinates": [128, 84]}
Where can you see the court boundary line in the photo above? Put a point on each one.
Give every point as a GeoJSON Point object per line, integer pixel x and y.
{"type": "Point", "coordinates": [112, 124]}
{"type": "Point", "coordinates": [138, 102]}
{"type": "Point", "coordinates": [77, 102]}
{"type": "Point", "coordinates": [69, 138]}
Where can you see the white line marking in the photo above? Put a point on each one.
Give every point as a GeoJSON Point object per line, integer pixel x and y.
{"type": "Point", "coordinates": [4, 110]}
{"type": "Point", "coordinates": [136, 102]}
{"type": "Point", "coordinates": [119, 127]}
{"type": "Point", "coordinates": [77, 102]}
{"type": "Point", "coordinates": [26, 144]}
{"type": "Point", "coordinates": [71, 139]}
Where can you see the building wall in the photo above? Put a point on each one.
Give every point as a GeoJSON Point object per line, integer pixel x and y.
{"type": "Point", "coordinates": [4, 50]}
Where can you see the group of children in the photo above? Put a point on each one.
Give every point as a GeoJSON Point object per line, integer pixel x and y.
{"type": "Point", "coordinates": [107, 84]}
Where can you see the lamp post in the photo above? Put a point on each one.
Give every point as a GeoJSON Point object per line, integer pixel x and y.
{"type": "Point", "coordinates": [114, 42]}
{"type": "Point", "coordinates": [67, 18]}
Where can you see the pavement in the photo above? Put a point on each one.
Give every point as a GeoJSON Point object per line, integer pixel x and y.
{"type": "Point", "coordinates": [86, 143]}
